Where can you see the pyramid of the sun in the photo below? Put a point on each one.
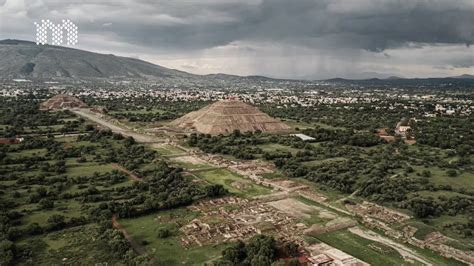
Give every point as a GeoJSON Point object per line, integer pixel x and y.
{"type": "Point", "coordinates": [62, 101]}
{"type": "Point", "coordinates": [224, 117]}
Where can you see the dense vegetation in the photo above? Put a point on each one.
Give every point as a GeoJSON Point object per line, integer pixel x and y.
{"type": "Point", "coordinates": [260, 250]}
{"type": "Point", "coordinates": [353, 161]}
{"type": "Point", "coordinates": [22, 117]}
{"type": "Point", "coordinates": [69, 184]}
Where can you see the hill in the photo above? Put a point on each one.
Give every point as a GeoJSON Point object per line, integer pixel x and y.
{"type": "Point", "coordinates": [464, 76]}
{"type": "Point", "coordinates": [24, 59]}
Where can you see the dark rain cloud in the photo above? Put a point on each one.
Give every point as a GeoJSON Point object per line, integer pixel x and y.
{"type": "Point", "coordinates": [371, 25]}
{"type": "Point", "coordinates": [332, 35]}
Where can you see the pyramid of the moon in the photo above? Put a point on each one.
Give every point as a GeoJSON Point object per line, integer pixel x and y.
{"type": "Point", "coordinates": [62, 101]}
{"type": "Point", "coordinates": [224, 117]}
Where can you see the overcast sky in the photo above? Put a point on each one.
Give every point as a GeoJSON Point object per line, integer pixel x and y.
{"type": "Point", "coordinates": [278, 38]}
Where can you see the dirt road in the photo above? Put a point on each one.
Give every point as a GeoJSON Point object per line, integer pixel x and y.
{"type": "Point", "coordinates": [129, 133]}
{"type": "Point", "coordinates": [140, 250]}
{"type": "Point", "coordinates": [404, 251]}
{"type": "Point", "coordinates": [129, 173]}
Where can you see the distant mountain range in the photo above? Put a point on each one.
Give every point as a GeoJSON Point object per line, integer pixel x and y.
{"type": "Point", "coordinates": [25, 59]}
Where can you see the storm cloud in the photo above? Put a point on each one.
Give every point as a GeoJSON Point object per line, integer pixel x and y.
{"type": "Point", "coordinates": [301, 39]}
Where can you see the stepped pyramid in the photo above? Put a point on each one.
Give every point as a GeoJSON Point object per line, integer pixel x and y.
{"type": "Point", "coordinates": [62, 101]}
{"type": "Point", "coordinates": [224, 117]}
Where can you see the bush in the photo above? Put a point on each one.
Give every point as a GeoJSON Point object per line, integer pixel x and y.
{"type": "Point", "coordinates": [164, 233]}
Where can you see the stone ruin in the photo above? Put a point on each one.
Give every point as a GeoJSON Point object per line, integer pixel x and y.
{"type": "Point", "coordinates": [62, 101]}
{"type": "Point", "coordinates": [224, 117]}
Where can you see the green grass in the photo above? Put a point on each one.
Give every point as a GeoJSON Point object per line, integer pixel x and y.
{"type": "Point", "coordinates": [188, 166]}
{"type": "Point", "coordinates": [464, 180]}
{"type": "Point", "coordinates": [328, 192]}
{"type": "Point", "coordinates": [167, 150]}
{"type": "Point", "coordinates": [79, 245]}
{"type": "Point", "coordinates": [27, 153]}
{"type": "Point", "coordinates": [273, 175]}
{"type": "Point", "coordinates": [278, 147]}
{"type": "Point", "coordinates": [439, 177]}
{"type": "Point", "coordinates": [68, 208]}
{"type": "Point", "coordinates": [319, 162]}
{"type": "Point", "coordinates": [88, 169]}
{"type": "Point", "coordinates": [226, 178]}
{"type": "Point", "coordinates": [369, 251]}
{"type": "Point", "coordinates": [304, 125]}
{"type": "Point", "coordinates": [422, 229]}
{"type": "Point", "coordinates": [169, 251]}
{"type": "Point", "coordinates": [139, 111]}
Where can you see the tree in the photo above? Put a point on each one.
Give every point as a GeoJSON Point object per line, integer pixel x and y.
{"type": "Point", "coordinates": [452, 173]}
{"type": "Point", "coordinates": [215, 190]}
{"type": "Point", "coordinates": [426, 173]}
{"type": "Point", "coordinates": [293, 262]}
{"type": "Point", "coordinates": [235, 254]}
{"type": "Point", "coordinates": [291, 249]}
{"type": "Point", "coordinates": [7, 252]}
{"type": "Point", "coordinates": [46, 203]}
{"type": "Point", "coordinates": [164, 233]}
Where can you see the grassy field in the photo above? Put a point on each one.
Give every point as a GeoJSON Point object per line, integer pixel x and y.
{"type": "Point", "coordinates": [319, 162]}
{"type": "Point", "coordinates": [330, 193]}
{"type": "Point", "coordinates": [74, 246]}
{"type": "Point", "coordinates": [278, 147]}
{"type": "Point", "coordinates": [139, 111]}
{"type": "Point", "coordinates": [373, 252]}
{"type": "Point", "coordinates": [366, 250]}
{"type": "Point", "coordinates": [303, 125]}
{"type": "Point", "coordinates": [26, 153]}
{"type": "Point", "coordinates": [188, 166]}
{"type": "Point", "coordinates": [228, 180]}
{"type": "Point", "coordinates": [169, 251]}
{"type": "Point", "coordinates": [463, 180]}
{"type": "Point", "coordinates": [167, 150]}
{"type": "Point", "coordinates": [87, 169]}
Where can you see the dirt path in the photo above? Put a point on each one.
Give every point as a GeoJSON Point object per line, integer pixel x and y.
{"type": "Point", "coordinates": [348, 197]}
{"type": "Point", "coordinates": [137, 136]}
{"type": "Point", "coordinates": [132, 175]}
{"type": "Point", "coordinates": [404, 251]}
{"type": "Point", "coordinates": [140, 250]}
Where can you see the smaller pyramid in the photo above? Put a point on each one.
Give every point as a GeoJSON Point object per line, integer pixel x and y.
{"type": "Point", "coordinates": [62, 101]}
{"type": "Point", "coordinates": [224, 117]}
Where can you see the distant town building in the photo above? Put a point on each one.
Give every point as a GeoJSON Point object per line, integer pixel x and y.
{"type": "Point", "coordinates": [303, 137]}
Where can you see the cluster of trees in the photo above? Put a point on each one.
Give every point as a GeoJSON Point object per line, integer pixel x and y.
{"type": "Point", "coordinates": [370, 172]}
{"type": "Point", "coordinates": [22, 113]}
{"type": "Point", "coordinates": [162, 187]}
{"type": "Point", "coordinates": [172, 106]}
{"type": "Point", "coordinates": [165, 189]}
{"type": "Point", "coordinates": [447, 133]}
{"type": "Point", "coordinates": [359, 116]}
{"type": "Point", "coordinates": [424, 207]}
{"type": "Point", "coordinates": [237, 144]}
{"type": "Point", "coordinates": [344, 137]}
{"type": "Point", "coordinates": [145, 117]}
{"type": "Point", "coordinates": [466, 229]}
{"type": "Point", "coordinates": [260, 250]}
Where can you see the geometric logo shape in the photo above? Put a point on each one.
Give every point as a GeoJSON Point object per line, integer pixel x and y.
{"type": "Point", "coordinates": [57, 31]}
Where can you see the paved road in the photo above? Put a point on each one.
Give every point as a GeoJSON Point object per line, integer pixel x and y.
{"type": "Point", "coordinates": [137, 136]}
{"type": "Point", "coordinates": [404, 251]}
